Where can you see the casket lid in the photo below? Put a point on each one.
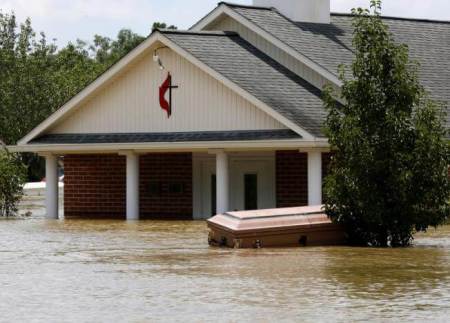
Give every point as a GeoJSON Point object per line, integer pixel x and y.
{"type": "Point", "coordinates": [283, 218]}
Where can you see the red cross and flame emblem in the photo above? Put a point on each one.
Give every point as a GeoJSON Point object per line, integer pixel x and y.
{"type": "Point", "coordinates": [166, 104]}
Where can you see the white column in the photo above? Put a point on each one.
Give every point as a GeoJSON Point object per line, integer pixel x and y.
{"type": "Point", "coordinates": [314, 178]}
{"type": "Point", "coordinates": [222, 181]}
{"type": "Point", "coordinates": [51, 186]}
{"type": "Point", "coordinates": [132, 186]}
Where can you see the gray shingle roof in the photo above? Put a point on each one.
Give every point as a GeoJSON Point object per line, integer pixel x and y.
{"type": "Point", "coordinates": [258, 74]}
{"type": "Point", "coordinates": [330, 45]}
{"type": "Point", "coordinates": [110, 138]}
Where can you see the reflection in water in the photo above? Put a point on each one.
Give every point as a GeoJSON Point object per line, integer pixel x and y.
{"type": "Point", "coordinates": [112, 270]}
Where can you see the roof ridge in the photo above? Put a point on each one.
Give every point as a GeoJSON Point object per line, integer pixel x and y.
{"type": "Point", "coordinates": [239, 5]}
{"type": "Point", "coordinates": [343, 14]}
{"type": "Point", "coordinates": [199, 33]}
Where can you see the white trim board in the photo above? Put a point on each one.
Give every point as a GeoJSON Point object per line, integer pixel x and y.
{"type": "Point", "coordinates": [223, 9]}
{"type": "Point", "coordinates": [133, 56]}
{"type": "Point", "coordinates": [174, 146]}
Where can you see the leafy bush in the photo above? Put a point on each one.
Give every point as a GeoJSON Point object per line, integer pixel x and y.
{"type": "Point", "coordinates": [12, 179]}
{"type": "Point", "coordinates": [389, 174]}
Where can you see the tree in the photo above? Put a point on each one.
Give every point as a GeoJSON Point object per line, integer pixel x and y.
{"type": "Point", "coordinates": [162, 25]}
{"type": "Point", "coordinates": [12, 179]}
{"type": "Point", "coordinates": [108, 51]}
{"type": "Point", "coordinates": [36, 78]}
{"type": "Point", "coordinates": [389, 173]}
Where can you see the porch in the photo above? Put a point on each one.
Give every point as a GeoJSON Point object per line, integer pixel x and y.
{"type": "Point", "coordinates": [183, 185]}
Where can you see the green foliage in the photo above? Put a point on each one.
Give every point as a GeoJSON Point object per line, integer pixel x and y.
{"type": "Point", "coordinates": [389, 175]}
{"type": "Point", "coordinates": [108, 51]}
{"type": "Point", "coordinates": [36, 78]}
{"type": "Point", "coordinates": [162, 25]}
{"type": "Point", "coordinates": [12, 179]}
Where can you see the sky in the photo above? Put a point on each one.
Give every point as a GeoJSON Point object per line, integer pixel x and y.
{"type": "Point", "coordinates": [67, 20]}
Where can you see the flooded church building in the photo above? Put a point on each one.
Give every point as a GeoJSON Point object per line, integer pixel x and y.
{"type": "Point", "coordinates": [225, 116]}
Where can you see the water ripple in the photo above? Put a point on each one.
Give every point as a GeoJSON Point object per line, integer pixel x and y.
{"type": "Point", "coordinates": [102, 271]}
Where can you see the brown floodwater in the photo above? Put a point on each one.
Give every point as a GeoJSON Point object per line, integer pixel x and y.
{"type": "Point", "coordinates": [113, 271]}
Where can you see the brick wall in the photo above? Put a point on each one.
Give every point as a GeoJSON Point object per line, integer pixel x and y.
{"type": "Point", "coordinates": [291, 178]}
{"type": "Point", "coordinates": [166, 186]}
{"type": "Point", "coordinates": [94, 186]}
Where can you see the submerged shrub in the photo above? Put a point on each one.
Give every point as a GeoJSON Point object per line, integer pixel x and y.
{"type": "Point", "coordinates": [12, 179]}
{"type": "Point", "coordinates": [389, 173]}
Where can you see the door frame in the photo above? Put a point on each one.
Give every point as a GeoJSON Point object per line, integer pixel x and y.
{"type": "Point", "coordinates": [264, 169]}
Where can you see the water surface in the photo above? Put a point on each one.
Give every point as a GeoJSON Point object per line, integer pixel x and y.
{"type": "Point", "coordinates": [113, 271]}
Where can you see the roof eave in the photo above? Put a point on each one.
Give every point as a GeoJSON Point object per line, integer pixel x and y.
{"type": "Point", "coordinates": [320, 143]}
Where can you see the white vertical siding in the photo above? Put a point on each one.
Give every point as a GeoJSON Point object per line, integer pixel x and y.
{"type": "Point", "coordinates": [229, 24]}
{"type": "Point", "coordinates": [131, 103]}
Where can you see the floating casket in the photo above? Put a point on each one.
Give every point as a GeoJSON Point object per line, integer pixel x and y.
{"type": "Point", "coordinates": [287, 227]}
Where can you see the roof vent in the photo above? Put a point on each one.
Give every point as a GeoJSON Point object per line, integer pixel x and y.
{"type": "Point", "coordinates": [317, 11]}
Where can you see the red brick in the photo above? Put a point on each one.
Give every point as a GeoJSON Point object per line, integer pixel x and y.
{"type": "Point", "coordinates": [88, 182]}
{"type": "Point", "coordinates": [165, 169]}
{"type": "Point", "coordinates": [95, 186]}
{"type": "Point", "coordinates": [292, 177]}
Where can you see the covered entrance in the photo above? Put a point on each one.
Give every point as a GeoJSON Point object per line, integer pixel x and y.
{"type": "Point", "coordinates": [185, 185]}
{"type": "Point", "coordinates": [251, 179]}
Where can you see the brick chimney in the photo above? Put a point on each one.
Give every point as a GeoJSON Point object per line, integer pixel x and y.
{"type": "Point", "coordinates": [317, 11]}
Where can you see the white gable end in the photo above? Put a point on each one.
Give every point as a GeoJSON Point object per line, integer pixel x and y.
{"type": "Point", "coordinates": [131, 103]}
